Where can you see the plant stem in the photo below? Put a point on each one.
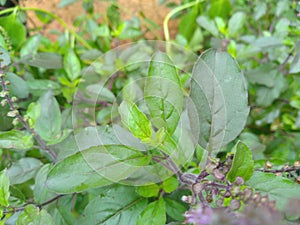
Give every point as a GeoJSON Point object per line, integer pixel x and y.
{"type": "Point", "coordinates": [24, 123]}
{"type": "Point", "coordinates": [54, 16]}
{"type": "Point", "coordinates": [173, 12]}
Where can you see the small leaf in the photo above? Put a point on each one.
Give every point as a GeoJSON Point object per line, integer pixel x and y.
{"type": "Point", "coordinates": [31, 45]}
{"type": "Point", "coordinates": [118, 205]}
{"type": "Point", "coordinates": [243, 164]}
{"type": "Point", "coordinates": [48, 125]}
{"type": "Point", "coordinates": [15, 139]}
{"type": "Point", "coordinates": [154, 213]}
{"type": "Point", "coordinates": [278, 188]}
{"type": "Point", "coordinates": [72, 64]}
{"type": "Point", "coordinates": [136, 121]}
{"type": "Point", "coordinates": [23, 170]}
{"type": "Point", "coordinates": [236, 23]}
{"type": "Point", "coordinates": [40, 87]}
{"type": "Point", "coordinates": [98, 92]}
{"type": "Point", "coordinates": [4, 188]}
{"type": "Point", "coordinates": [18, 87]}
{"type": "Point", "coordinates": [220, 8]}
{"type": "Point", "coordinates": [208, 25]}
{"type": "Point", "coordinates": [4, 57]}
{"type": "Point", "coordinates": [147, 191]}
{"type": "Point", "coordinates": [169, 185]}
{"type": "Point", "coordinates": [163, 93]}
{"type": "Point", "coordinates": [98, 165]}
{"type": "Point", "coordinates": [33, 216]}
{"type": "Point", "coordinates": [175, 209]}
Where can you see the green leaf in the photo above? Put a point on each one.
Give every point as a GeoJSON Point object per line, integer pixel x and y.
{"type": "Point", "coordinates": [169, 185]}
{"type": "Point", "coordinates": [118, 205]}
{"type": "Point", "coordinates": [220, 99]}
{"type": "Point", "coordinates": [15, 29]}
{"type": "Point", "coordinates": [15, 139]}
{"type": "Point", "coordinates": [267, 42]}
{"type": "Point", "coordinates": [236, 23]}
{"type": "Point", "coordinates": [4, 57]}
{"type": "Point", "coordinates": [208, 25]}
{"type": "Point", "coordinates": [98, 165]}
{"type": "Point", "coordinates": [33, 216]}
{"type": "Point", "coordinates": [4, 188]}
{"type": "Point", "coordinates": [64, 3]}
{"type": "Point", "coordinates": [47, 60]}
{"type": "Point", "coordinates": [277, 188]}
{"type": "Point", "coordinates": [72, 64]}
{"type": "Point", "coordinates": [48, 125]}
{"type": "Point", "coordinates": [260, 10]}
{"type": "Point", "coordinates": [40, 87]}
{"type": "Point", "coordinates": [135, 120]}
{"type": "Point", "coordinates": [98, 92]}
{"type": "Point", "coordinates": [175, 209]}
{"type": "Point", "coordinates": [31, 45]}
{"type": "Point", "coordinates": [243, 164]}
{"type": "Point", "coordinates": [23, 170]}
{"type": "Point", "coordinates": [220, 8]}
{"type": "Point", "coordinates": [18, 87]}
{"type": "Point", "coordinates": [147, 191]}
{"type": "Point", "coordinates": [163, 93]}
{"type": "Point", "coordinates": [154, 213]}
{"type": "Point", "coordinates": [41, 193]}
{"type": "Point", "coordinates": [187, 25]}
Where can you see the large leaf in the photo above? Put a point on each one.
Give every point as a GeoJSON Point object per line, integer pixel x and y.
{"type": "Point", "coordinates": [163, 92]}
{"type": "Point", "coordinates": [119, 205]}
{"type": "Point", "coordinates": [48, 125]}
{"type": "Point", "coordinates": [94, 167]}
{"type": "Point", "coordinates": [243, 164]}
{"type": "Point", "coordinates": [219, 94]}
{"type": "Point", "coordinates": [39, 87]}
{"type": "Point", "coordinates": [23, 170]}
{"type": "Point", "coordinates": [47, 60]}
{"type": "Point", "coordinates": [33, 216]}
{"type": "Point", "coordinates": [278, 188]}
{"type": "Point", "coordinates": [154, 213]}
{"type": "Point", "coordinates": [15, 29]}
{"type": "Point", "coordinates": [135, 120]}
{"type": "Point", "coordinates": [4, 188]}
{"type": "Point", "coordinates": [15, 139]}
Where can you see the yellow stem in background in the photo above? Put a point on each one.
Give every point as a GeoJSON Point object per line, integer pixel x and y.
{"type": "Point", "coordinates": [54, 16]}
{"type": "Point", "coordinates": [173, 12]}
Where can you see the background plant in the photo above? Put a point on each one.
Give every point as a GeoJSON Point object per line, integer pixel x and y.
{"type": "Point", "coordinates": [47, 179]}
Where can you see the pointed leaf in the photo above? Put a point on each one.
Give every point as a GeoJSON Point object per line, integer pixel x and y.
{"type": "Point", "coordinates": [135, 120]}
{"type": "Point", "coordinates": [48, 125]}
{"type": "Point", "coordinates": [154, 213]}
{"type": "Point", "coordinates": [4, 57]}
{"type": "Point", "coordinates": [18, 87]}
{"type": "Point", "coordinates": [94, 167]}
{"type": "Point", "coordinates": [163, 92]}
{"type": "Point", "coordinates": [72, 64]}
{"type": "Point", "coordinates": [219, 95]}
{"type": "Point", "coordinates": [243, 164]}
{"type": "Point", "coordinates": [119, 205]}
{"type": "Point", "coordinates": [4, 188]}
{"type": "Point", "coordinates": [278, 188]}
{"type": "Point", "coordinates": [15, 139]}
{"type": "Point", "coordinates": [47, 60]}
{"type": "Point", "coordinates": [33, 216]}
{"type": "Point", "coordinates": [208, 25]}
{"type": "Point", "coordinates": [236, 23]}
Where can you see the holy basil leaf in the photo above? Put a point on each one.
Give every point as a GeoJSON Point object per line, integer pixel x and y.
{"type": "Point", "coordinates": [277, 188]}
{"type": "Point", "coordinates": [23, 170]}
{"type": "Point", "coordinates": [40, 191]}
{"type": "Point", "coordinates": [154, 213]}
{"type": "Point", "coordinates": [39, 87]}
{"type": "Point", "coordinates": [118, 205]}
{"type": "Point", "coordinates": [4, 188]}
{"type": "Point", "coordinates": [208, 25]}
{"type": "Point", "coordinates": [236, 23]}
{"type": "Point", "coordinates": [98, 166]}
{"type": "Point", "coordinates": [18, 87]}
{"type": "Point", "coordinates": [4, 56]}
{"type": "Point", "coordinates": [243, 164]}
{"type": "Point", "coordinates": [163, 92]}
{"type": "Point", "coordinates": [175, 209]}
{"type": "Point", "coordinates": [15, 139]}
{"type": "Point", "coordinates": [31, 45]}
{"type": "Point", "coordinates": [147, 191]}
{"type": "Point", "coordinates": [169, 185]}
{"type": "Point", "coordinates": [135, 120]}
{"type": "Point", "coordinates": [47, 60]}
{"type": "Point", "coordinates": [48, 125]}
{"type": "Point", "coordinates": [72, 64]}
{"type": "Point", "coordinates": [34, 216]}
{"type": "Point", "coordinates": [219, 94]}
